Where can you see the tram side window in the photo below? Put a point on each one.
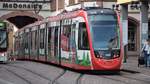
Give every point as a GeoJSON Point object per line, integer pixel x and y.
{"type": "Point", "coordinates": [16, 45]}
{"type": "Point", "coordinates": [83, 43]}
{"type": "Point", "coordinates": [19, 44]}
{"type": "Point", "coordinates": [30, 41]}
{"type": "Point", "coordinates": [49, 39]}
{"type": "Point", "coordinates": [67, 30]}
{"type": "Point", "coordinates": [36, 42]}
{"type": "Point", "coordinates": [23, 44]}
{"type": "Point", "coordinates": [66, 37]}
{"type": "Point", "coordinates": [26, 43]}
{"type": "Point", "coordinates": [33, 42]}
{"type": "Point", "coordinates": [52, 41]}
{"type": "Point", "coordinates": [35, 39]}
{"type": "Point", "coordinates": [41, 51]}
{"type": "Point", "coordinates": [49, 35]}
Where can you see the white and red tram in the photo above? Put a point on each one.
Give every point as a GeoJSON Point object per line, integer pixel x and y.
{"type": "Point", "coordinates": [85, 39]}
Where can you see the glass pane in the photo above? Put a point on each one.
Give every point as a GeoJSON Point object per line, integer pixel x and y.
{"type": "Point", "coordinates": [42, 50]}
{"type": "Point", "coordinates": [105, 31]}
{"type": "Point", "coordinates": [131, 38]}
{"type": "Point", "coordinates": [3, 39]}
{"type": "Point", "coordinates": [83, 37]}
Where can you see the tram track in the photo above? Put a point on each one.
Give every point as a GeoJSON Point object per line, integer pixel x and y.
{"type": "Point", "coordinates": [28, 82]}
{"type": "Point", "coordinates": [117, 80]}
{"type": "Point", "coordinates": [126, 79]}
{"type": "Point", "coordinates": [0, 67]}
{"type": "Point", "coordinates": [134, 78]}
{"type": "Point", "coordinates": [123, 77]}
{"type": "Point", "coordinates": [114, 78]}
{"type": "Point", "coordinates": [145, 82]}
{"type": "Point", "coordinates": [55, 80]}
{"type": "Point", "coordinates": [79, 79]}
{"type": "Point", "coordinates": [50, 81]}
{"type": "Point", "coordinates": [5, 82]}
{"type": "Point", "coordinates": [30, 71]}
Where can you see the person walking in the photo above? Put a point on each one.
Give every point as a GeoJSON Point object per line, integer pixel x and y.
{"type": "Point", "coordinates": [146, 51]}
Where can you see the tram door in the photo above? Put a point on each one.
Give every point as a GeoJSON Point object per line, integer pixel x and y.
{"type": "Point", "coordinates": [56, 44]}
{"type": "Point", "coordinates": [53, 43]}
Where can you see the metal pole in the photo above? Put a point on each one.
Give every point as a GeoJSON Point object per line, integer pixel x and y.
{"type": "Point", "coordinates": [124, 19]}
{"type": "Point", "coordinates": [143, 23]}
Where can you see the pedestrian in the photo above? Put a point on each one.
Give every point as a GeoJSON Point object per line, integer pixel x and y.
{"type": "Point", "coordinates": [146, 51]}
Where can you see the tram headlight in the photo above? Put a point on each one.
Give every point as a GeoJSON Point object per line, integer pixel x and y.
{"type": "Point", "coordinates": [2, 54]}
{"type": "Point", "coordinates": [116, 54]}
{"type": "Point", "coordinates": [98, 54]}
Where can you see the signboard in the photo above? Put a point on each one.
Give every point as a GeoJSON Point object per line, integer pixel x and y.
{"type": "Point", "coordinates": [125, 1]}
{"type": "Point", "coordinates": [23, 6]}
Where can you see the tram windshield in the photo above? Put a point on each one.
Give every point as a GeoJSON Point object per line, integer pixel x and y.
{"type": "Point", "coordinates": [105, 31]}
{"type": "Point", "coordinates": [3, 39]}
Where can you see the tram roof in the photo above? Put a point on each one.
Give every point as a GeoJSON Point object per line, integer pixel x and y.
{"type": "Point", "coordinates": [69, 14]}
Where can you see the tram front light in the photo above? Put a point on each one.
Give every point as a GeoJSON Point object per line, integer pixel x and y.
{"type": "Point", "coordinates": [2, 54]}
{"type": "Point", "coordinates": [98, 54]}
{"type": "Point", "coordinates": [116, 54]}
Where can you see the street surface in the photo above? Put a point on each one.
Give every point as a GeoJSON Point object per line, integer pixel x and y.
{"type": "Point", "coordinates": [26, 72]}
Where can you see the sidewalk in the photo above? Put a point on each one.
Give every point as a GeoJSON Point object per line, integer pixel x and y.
{"type": "Point", "coordinates": [132, 65]}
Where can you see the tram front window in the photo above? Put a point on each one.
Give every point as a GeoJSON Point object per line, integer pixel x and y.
{"type": "Point", "coordinates": [104, 31]}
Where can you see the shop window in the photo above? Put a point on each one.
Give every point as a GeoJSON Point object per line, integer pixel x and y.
{"type": "Point", "coordinates": [71, 2]}
{"type": "Point", "coordinates": [53, 5]}
{"type": "Point", "coordinates": [88, 0]}
{"type": "Point", "coordinates": [61, 4]}
{"type": "Point", "coordinates": [132, 37]}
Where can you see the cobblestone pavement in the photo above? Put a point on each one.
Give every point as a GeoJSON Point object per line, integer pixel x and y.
{"type": "Point", "coordinates": [25, 72]}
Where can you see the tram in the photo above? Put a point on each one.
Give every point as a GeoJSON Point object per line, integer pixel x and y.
{"type": "Point", "coordinates": [83, 39]}
{"type": "Point", "coordinates": [3, 42]}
